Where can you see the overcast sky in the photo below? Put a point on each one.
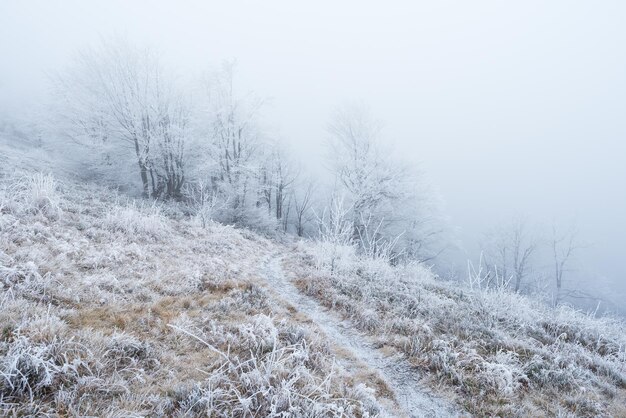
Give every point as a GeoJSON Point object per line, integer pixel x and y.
{"type": "Point", "coordinates": [512, 108]}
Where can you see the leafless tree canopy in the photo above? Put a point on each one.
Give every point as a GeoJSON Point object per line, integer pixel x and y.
{"type": "Point", "coordinates": [386, 202]}
{"type": "Point", "coordinates": [120, 94]}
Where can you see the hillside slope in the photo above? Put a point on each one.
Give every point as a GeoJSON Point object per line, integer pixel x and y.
{"type": "Point", "coordinates": [112, 308]}
{"type": "Point", "coordinates": [115, 308]}
{"type": "Point", "coordinates": [493, 351]}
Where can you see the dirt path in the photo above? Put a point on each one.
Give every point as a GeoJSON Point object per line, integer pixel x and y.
{"type": "Point", "coordinates": [412, 399]}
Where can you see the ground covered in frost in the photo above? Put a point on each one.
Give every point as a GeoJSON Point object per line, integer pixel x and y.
{"type": "Point", "coordinates": [110, 307]}
{"type": "Point", "coordinates": [114, 308]}
{"type": "Point", "coordinates": [496, 353]}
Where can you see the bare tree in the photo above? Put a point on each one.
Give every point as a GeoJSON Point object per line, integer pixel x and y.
{"type": "Point", "coordinates": [283, 177]}
{"type": "Point", "coordinates": [286, 212]}
{"type": "Point", "coordinates": [523, 247]}
{"type": "Point", "coordinates": [509, 251]}
{"type": "Point", "coordinates": [302, 200]}
{"type": "Point", "coordinates": [381, 190]}
{"type": "Point", "coordinates": [277, 177]}
{"type": "Point", "coordinates": [171, 143]}
{"type": "Point", "coordinates": [563, 246]}
{"type": "Point", "coordinates": [120, 93]}
{"type": "Point", "coordinates": [360, 165]}
{"type": "Point", "coordinates": [236, 144]}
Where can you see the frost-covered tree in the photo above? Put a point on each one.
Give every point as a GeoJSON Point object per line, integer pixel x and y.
{"type": "Point", "coordinates": [119, 96]}
{"type": "Point", "coordinates": [363, 172]}
{"type": "Point", "coordinates": [563, 246]}
{"type": "Point", "coordinates": [278, 177]}
{"type": "Point", "coordinates": [509, 250]}
{"type": "Point", "coordinates": [237, 151]}
{"type": "Point", "coordinates": [283, 176]}
{"type": "Point", "coordinates": [385, 195]}
{"type": "Point", "coordinates": [203, 201]}
{"type": "Point", "coordinates": [302, 197]}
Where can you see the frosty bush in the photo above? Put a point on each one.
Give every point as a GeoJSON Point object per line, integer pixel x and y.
{"type": "Point", "coordinates": [35, 193]}
{"type": "Point", "coordinates": [27, 370]}
{"type": "Point", "coordinates": [126, 351]}
{"type": "Point", "coordinates": [137, 220]}
{"type": "Point", "coordinates": [205, 204]}
{"type": "Point", "coordinates": [24, 280]}
{"type": "Point", "coordinates": [257, 219]}
{"type": "Point", "coordinates": [30, 369]}
{"type": "Point", "coordinates": [335, 250]}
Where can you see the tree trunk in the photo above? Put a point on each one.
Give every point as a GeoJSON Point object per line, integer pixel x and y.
{"type": "Point", "coordinates": [143, 170]}
{"type": "Point", "coordinates": [144, 179]}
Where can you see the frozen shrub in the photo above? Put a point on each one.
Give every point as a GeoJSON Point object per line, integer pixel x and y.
{"type": "Point", "coordinates": [251, 299]}
{"type": "Point", "coordinates": [335, 250]}
{"type": "Point", "coordinates": [41, 328]}
{"type": "Point", "coordinates": [27, 369]}
{"type": "Point", "coordinates": [203, 202]}
{"type": "Point", "coordinates": [502, 374]}
{"type": "Point", "coordinates": [24, 279]}
{"type": "Point", "coordinates": [583, 406]}
{"type": "Point", "coordinates": [257, 219]}
{"type": "Point", "coordinates": [43, 194]}
{"type": "Point", "coordinates": [336, 259]}
{"type": "Point", "coordinates": [137, 220]}
{"type": "Point", "coordinates": [368, 320]}
{"type": "Point", "coordinates": [35, 193]}
{"type": "Point", "coordinates": [375, 268]}
{"type": "Point", "coordinates": [125, 351]}
{"type": "Point", "coordinates": [259, 336]}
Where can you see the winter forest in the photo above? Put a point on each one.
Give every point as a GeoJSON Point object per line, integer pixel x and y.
{"type": "Point", "coordinates": [168, 249]}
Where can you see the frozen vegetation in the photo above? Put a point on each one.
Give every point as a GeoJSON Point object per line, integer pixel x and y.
{"type": "Point", "coordinates": [493, 351]}
{"type": "Point", "coordinates": [163, 254]}
{"type": "Point", "coordinates": [112, 307]}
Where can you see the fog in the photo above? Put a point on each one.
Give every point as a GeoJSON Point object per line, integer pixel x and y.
{"type": "Point", "coordinates": [511, 109]}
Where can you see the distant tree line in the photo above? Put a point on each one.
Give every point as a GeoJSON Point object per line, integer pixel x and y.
{"type": "Point", "coordinates": [205, 146]}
